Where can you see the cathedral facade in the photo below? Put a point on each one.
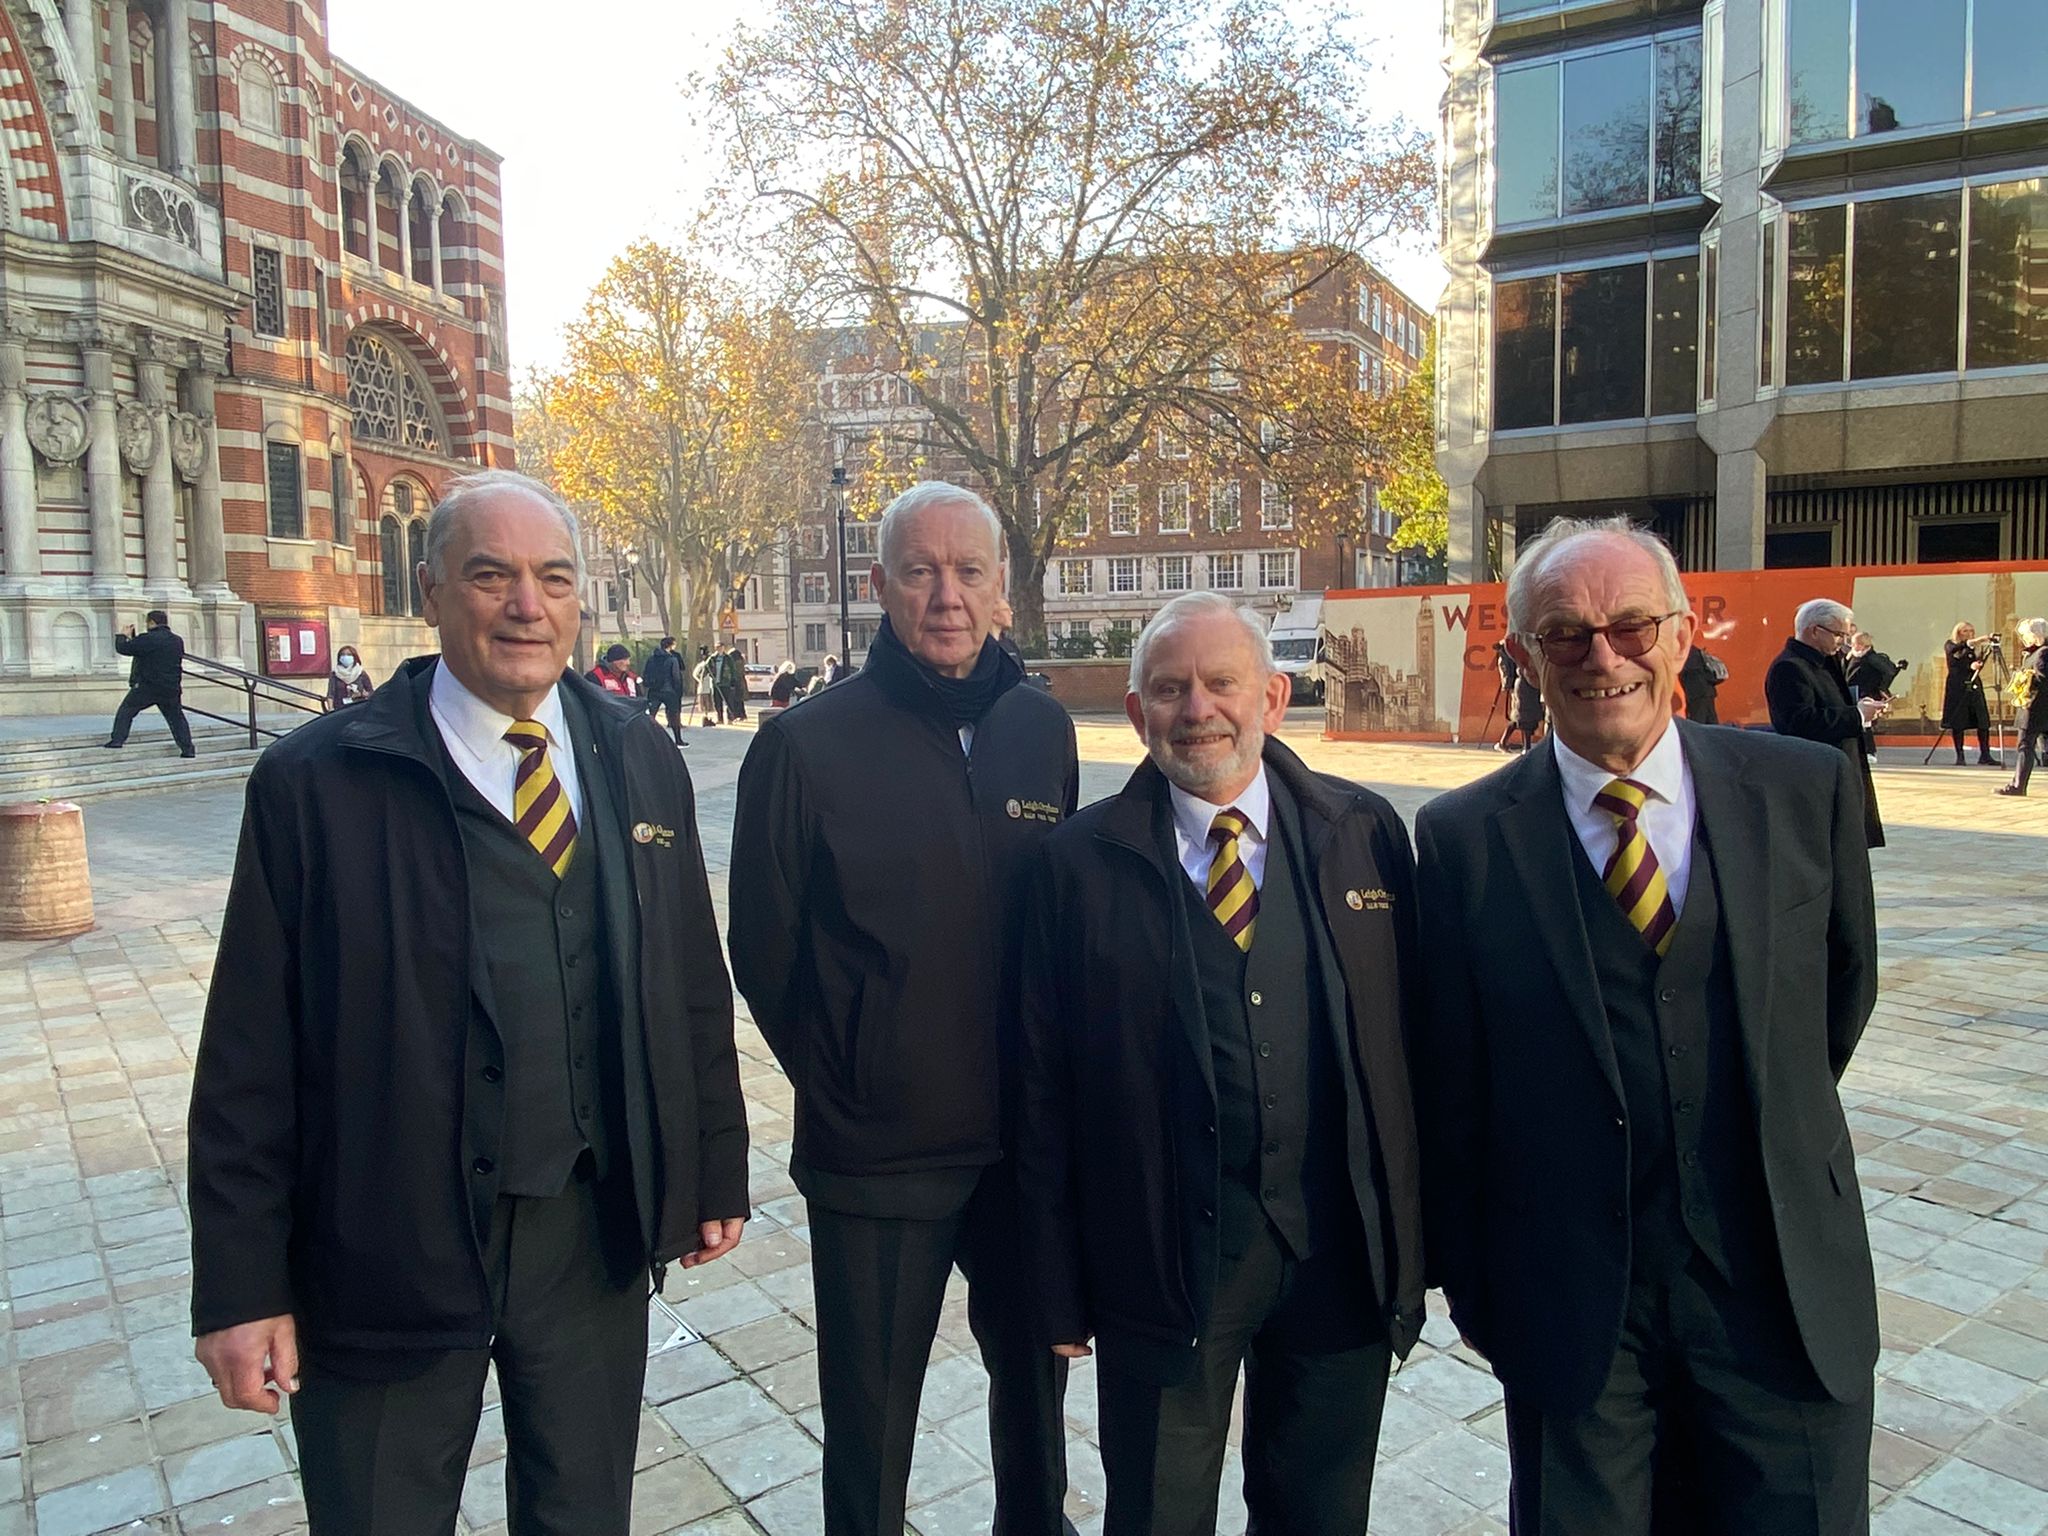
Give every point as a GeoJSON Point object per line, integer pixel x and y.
{"type": "Point", "coordinates": [253, 322]}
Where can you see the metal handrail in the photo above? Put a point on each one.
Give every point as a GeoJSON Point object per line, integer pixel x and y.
{"type": "Point", "coordinates": [289, 695]}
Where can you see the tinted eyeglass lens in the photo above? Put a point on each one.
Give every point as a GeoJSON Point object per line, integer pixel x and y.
{"type": "Point", "coordinates": [1629, 638]}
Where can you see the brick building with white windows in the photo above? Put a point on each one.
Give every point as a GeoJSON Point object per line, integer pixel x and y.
{"type": "Point", "coordinates": [254, 323]}
{"type": "Point", "coordinates": [1161, 529]}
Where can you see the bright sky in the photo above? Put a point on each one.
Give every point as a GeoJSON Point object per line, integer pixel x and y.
{"type": "Point", "coordinates": [593, 121]}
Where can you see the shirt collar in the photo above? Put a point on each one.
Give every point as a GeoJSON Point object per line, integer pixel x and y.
{"type": "Point", "coordinates": [1662, 772]}
{"type": "Point", "coordinates": [1194, 815]}
{"type": "Point", "coordinates": [482, 728]}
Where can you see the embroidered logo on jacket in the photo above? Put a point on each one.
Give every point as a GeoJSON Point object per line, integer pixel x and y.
{"type": "Point", "coordinates": [1373, 899]}
{"type": "Point", "coordinates": [648, 832]}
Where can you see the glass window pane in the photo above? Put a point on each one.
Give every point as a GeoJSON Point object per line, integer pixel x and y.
{"type": "Point", "coordinates": [1600, 343]}
{"type": "Point", "coordinates": [1607, 130]}
{"type": "Point", "coordinates": [1524, 346]}
{"type": "Point", "coordinates": [1817, 69]}
{"type": "Point", "coordinates": [1816, 283]}
{"type": "Point", "coordinates": [1675, 337]}
{"type": "Point", "coordinates": [1909, 63]}
{"type": "Point", "coordinates": [1678, 117]}
{"type": "Point", "coordinates": [1767, 302]}
{"type": "Point", "coordinates": [2012, 63]}
{"type": "Point", "coordinates": [1503, 9]}
{"type": "Point", "coordinates": [1909, 265]}
{"type": "Point", "coordinates": [1525, 136]}
{"type": "Point", "coordinates": [2009, 274]}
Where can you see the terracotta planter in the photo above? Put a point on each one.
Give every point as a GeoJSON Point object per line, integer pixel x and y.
{"type": "Point", "coordinates": [45, 888]}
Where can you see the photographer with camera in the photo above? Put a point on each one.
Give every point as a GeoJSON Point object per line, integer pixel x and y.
{"type": "Point", "coordinates": [1871, 673]}
{"type": "Point", "coordinates": [1962, 700]}
{"type": "Point", "coordinates": [2030, 695]}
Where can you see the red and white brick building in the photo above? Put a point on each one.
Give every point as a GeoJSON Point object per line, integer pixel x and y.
{"type": "Point", "coordinates": [254, 321]}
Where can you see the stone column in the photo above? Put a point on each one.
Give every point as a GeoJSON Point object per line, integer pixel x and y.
{"type": "Point", "coordinates": [177, 109]}
{"type": "Point", "coordinates": [1465, 557]}
{"type": "Point", "coordinates": [123, 80]}
{"type": "Point", "coordinates": [405, 233]}
{"type": "Point", "coordinates": [206, 543]}
{"type": "Point", "coordinates": [82, 25]}
{"type": "Point", "coordinates": [1739, 485]}
{"type": "Point", "coordinates": [18, 535]}
{"type": "Point", "coordinates": [434, 236]}
{"type": "Point", "coordinates": [159, 491]}
{"type": "Point", "coordinates": [103, 471]}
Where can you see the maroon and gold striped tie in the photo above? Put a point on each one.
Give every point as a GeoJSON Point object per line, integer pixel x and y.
{"type": "Point", "coordinates": [1232, 896]}
{"type": "Point", "coordinates": [1633, 876]}
{"type": "Point", "coordinates": [540, 807]}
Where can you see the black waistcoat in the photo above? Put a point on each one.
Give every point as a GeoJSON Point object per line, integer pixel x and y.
{"type": "Point", "coordinates": [544, 950]}
{"type": "Point", "coordinates": [1280, 1098]}
{"type": "Point", "coordinates": [1696, 1176]}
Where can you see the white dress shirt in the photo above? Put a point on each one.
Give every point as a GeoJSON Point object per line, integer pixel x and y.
{"type": "Point", "coordinates": [1192, 817]}
{"type": "Point", "coordinates": [475, 734]}
{"type": "Point", "coordinates": [1666, 817]}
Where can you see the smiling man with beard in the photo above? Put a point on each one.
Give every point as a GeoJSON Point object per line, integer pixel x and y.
{"type": "Point", "coordinates": [1651, 950]}
{"type": "Point", "coordinates": [1217, 1146]}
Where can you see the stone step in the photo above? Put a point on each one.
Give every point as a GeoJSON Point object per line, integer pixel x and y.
{"type": "Point", "coordinates": [113, 773]}
{"type": "Point", "coordinates": [186, 774]}
{"type": "Point", "coordinates": [36, 754]}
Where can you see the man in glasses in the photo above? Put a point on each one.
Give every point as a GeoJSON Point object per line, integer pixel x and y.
{"type": "Point", "coordinates": [1651, 950]}
{"type": "Point", "coordinates": [1807, 689]}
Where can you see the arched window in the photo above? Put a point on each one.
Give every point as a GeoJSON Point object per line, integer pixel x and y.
{"type": "Point", "coordinates": [355, 203]}
{"type": "Point", "coordinates": [421, 215]}
{"type": "Point", "coordinates": [340, 484]}
{"type": "Point", "coordinates": [388, 399]}
{"type": "Point", "coordinates": [390, 208]}
{"type": "Point", "coordinates": [416, 546]}
{"type": "Point", "coordinates": [258, 94]}
{"type": "Point", "coordinates": [391, 550]}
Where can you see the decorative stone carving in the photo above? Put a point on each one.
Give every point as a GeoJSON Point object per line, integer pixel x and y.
{"type": "Point", "coordinates": [140, 444]}
{"type": "Point", "coordinates": [188, 444]}
{"type": "Point", "coordinates": [159, 208]}
{"type": "Point", "coordinates": [58, 428]}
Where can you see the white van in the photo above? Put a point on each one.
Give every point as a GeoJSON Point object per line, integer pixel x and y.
{"type": "Point", "coordinates": [1296, 634]}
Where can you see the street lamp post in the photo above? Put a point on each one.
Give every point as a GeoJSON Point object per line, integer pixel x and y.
{"type": "Point", "coordinates": [845, 625]}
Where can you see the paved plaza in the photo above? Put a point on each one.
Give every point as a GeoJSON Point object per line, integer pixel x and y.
{"type": "Point", "coordinates": [107, 1424]}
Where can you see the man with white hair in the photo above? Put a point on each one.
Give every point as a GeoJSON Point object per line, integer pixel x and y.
{"type": "Point", "coordinates": [1651, 948]}
{"type": "Point", "coordinates": [1808, 692]}
{"type": "Point", "coordinates": [879, 844]}
{"type": "Point", "coordinates": [1216, 1141]}
{"type": "Point", "coordinates": [2030, 695]}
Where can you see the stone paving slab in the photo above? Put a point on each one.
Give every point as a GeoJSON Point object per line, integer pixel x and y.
{"type": "Point", "coordinates": [106, 1423]}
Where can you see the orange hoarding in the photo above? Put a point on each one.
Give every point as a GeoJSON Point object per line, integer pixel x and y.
{"type": "Point", "coordinates": [1418, 662]}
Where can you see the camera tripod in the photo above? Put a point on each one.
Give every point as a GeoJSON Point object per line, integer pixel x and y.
{"type": "Point", "coordinates": [1994, 679]}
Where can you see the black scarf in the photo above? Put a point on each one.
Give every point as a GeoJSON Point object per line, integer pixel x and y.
{"type": "Point", "coordinates": [959, 700]}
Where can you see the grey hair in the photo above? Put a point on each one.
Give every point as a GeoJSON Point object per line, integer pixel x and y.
{"type": "Point", "coordinates": [932, 493]}
{"type": "Point", "coordinates": [1535, 560]}
{"type": "Point", "coordinates": [466, 492]}
{"type": "Point", "coordinates": [1818, 610]}
{"type": "Point", "coordinates": [1194, 605]}
{"type": "Point", "coordinates": [2036, 629]}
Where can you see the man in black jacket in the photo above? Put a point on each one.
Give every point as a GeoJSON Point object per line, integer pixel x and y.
{"type": "Point", "coordinates": [1808, 694]}
{"type": "Point", "coordinates": [156, 680]}
{"type": "Point", "coordinates": [449, 1111]}
{"type": "Point", "coordinates": [1216, 1140]}
{"type": "Point", "coordinates": [879, 842]}
{"type": "Point", "coordinates": [1651, 948]}
{"type": "Point", "coordinates": [663, 681]}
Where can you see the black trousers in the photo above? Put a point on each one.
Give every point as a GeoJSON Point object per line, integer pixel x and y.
{"type": "Point", "coordinates": [673, 703]}
{"type": "Point", "coordinates": [1983, 742]}
{"type": "Point", "coordinates": [171, 706]}
{"type": "Point", "coordinates": [880, 1284]}
{"type": "Point", "coordinates": [384, 1437]}
{"type": "Point", "coordinates": [1315, 1361]}
{"type": "Point", "coordinates": [2033, 745]}
{"type": "Point", "coordinates": [1710, 1385]}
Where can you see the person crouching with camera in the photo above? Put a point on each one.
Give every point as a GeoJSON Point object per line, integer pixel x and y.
{"type": "Point", "coordinates": [2030, 695]}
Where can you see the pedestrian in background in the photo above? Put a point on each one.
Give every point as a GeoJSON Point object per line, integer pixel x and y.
{"type": "Point", "coordinates": [732, 682]}
{"type": "Point", "coordinates": [156, 680]}
{"type": "Point", "coordinates": [1871, 674]}
{"type": "Point", "coordinates": [1808, 695]}
{"type": "Point", "coordinates": [782, 691]}
{"type": "Point", "coordinates": [348, 682]}
{"type": "Point", "coordinates": [1963, 706]}
{"type": "Point", "coordinates": [663, 680]}
{"type": "Point", "coordinates": [1700, 678]}
{"type": "Point", "coordinates": [2030, 696]}
{"type": "Point", "coordinates": [705, 676]}
{"type": "Point", "coordinates": [615, 675]}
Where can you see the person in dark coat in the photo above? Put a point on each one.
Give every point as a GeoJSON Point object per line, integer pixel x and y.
{"type": "Point", "coordinates": [879, 846]}
{"type": "Point", "coordinates": [1808, 695]}
{"type": "Point", "coordinates": [1505, 665]}
{"type": "Point", "coordinates": [663, 681]}
{"type": "Point", "coordinates": [349, 681]}
{"type": "Point", "coordinates": [1216, 1137]}
{"type": "Point", "coordinates": [1963, 706]}
{"type": "Point", "coordinates": [449, 1111]}
{"type": "Point", "coordinates": [2030, 694]}
{"type": "Point", "coordinates": [156, 680]}
{"type": "Point", "coordinates": [732, 681]}
{"type": "Point", "coordinates": [1651, 949]}
{"type": "Point", "coordinates": [782, 691]}
{"type": "Point", "coordinates": [1700, 678]}
{"type": "Point", "coordinates": [1870, 675]}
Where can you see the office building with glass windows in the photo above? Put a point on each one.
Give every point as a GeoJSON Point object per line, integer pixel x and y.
{"type": "Point", "coordinates": [1771, 275]}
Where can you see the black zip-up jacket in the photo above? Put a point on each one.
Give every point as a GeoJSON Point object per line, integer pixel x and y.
{"type": "Point", "coordinates": [875, 894]}
{"type": "Point", "coordinates": [157, 662]}
{"type": "Point", "coordinates": [348, 1102]}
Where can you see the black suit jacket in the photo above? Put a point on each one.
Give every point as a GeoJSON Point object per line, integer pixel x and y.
{"type": "Point", "coordinates": [1525, 1145]}
{"type": "Point", "coordinates": [158, 661]}
{"type": "Point", "coordinates": [1116, 1144]}
{"type": "Point", "coordinates": [1808, 695]}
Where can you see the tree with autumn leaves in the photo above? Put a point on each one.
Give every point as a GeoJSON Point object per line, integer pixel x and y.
{"type": "Point", "coordinates": [680, 425]}
{"type": "Point", "coordinates": [1078, 232]}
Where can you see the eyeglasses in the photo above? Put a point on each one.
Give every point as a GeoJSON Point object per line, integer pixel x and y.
{"type": "Point", "coordinates": [1629, 638]}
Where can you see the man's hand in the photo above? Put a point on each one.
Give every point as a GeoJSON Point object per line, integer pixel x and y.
{"type": "Point", "coordinates": [1072, 1351]}
{"type": "Point", "coordinates": [241, 1359]}
{"type": "Point", "coordinates": [716, 1240]}
{"type": "Point", "coordinates": [1870, 709]}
